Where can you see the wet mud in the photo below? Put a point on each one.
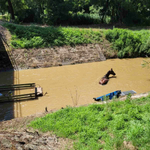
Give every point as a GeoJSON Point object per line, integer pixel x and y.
{"type": "Point", "coordinates": [75, 85]}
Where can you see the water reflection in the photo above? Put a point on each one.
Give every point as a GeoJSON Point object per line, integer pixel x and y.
{"type": "Point", "coordinates": [6, 111]}
{"type": "Point", "coordinates": [6, 77]}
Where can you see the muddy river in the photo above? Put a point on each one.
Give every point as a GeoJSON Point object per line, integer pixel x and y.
{"type": "Point", "coordinates": [73, 85]}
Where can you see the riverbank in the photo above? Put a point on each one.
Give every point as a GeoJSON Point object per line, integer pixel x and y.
{"type": "Point", "coordinates": [15, 134]}
{"type": "Point", "coordinates": [30, 58]}
{"type": "Point", "coordinates": [41, 47]}
{"type": "Point", "coordinates": [68, 85]}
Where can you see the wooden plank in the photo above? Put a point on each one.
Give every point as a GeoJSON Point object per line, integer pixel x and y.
{"type": "Point", "coordinates": [22, 97]}
{"type": "Point", "coordinates": [16, 86]}
{"type": "Point", "coordinates": [19, 85]}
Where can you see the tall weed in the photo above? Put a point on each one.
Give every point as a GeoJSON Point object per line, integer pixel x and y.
{"type": "Point", "coordinates": [35, 37]}
{"type": "Point", "coordinates": [129, 43]}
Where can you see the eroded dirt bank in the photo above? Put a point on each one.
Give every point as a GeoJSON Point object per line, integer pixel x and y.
{"type": "Point", "coordinates": [14, 135]}
{"type": "Point", "coordinates": [59, 56]}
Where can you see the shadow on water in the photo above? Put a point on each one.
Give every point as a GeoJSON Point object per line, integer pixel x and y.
{"type": "Point", "coordinates": [7, 75]}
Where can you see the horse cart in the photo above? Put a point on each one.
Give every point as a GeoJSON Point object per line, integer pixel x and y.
{"type": "Point", "coordinates": [8, 93]}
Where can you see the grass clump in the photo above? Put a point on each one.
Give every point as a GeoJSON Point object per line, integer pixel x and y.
{"type": "Point", "coordinates": [102, 126]}
{"type": "Point", "coordinates": [130, 43]}
{"type": "Point", "coordinates": [36, 37]}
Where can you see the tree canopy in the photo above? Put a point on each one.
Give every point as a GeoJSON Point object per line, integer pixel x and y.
{"type": "Point", "coordinates": [64, 11]}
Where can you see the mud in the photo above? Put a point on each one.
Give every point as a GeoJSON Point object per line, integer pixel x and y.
{"type": "Point", "coordinates": [79, 84]}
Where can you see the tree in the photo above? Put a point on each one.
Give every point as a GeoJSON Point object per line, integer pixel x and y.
{"type": "Point", "coordinates": [123, 11]}
{"type": "Point", "coordinates": [11, 10]}
{"type": "Point", "coordinates": [3, 6]}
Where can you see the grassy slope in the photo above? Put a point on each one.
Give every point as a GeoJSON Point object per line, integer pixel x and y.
{"type": "Point", "coordinates": [126, 42]}
{"type": "Point", "coordinates": [130, 43]}
{"type": "Point", "coordinates": [36, 37]}
{"type": "Point", "coordinates": [104, 126]}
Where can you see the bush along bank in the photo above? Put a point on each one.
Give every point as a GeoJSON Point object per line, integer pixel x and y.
{"type": "Point", "coordinates": [40, 37]}
{"type": "Point", "coordinates": [129, 43]}
{"type": "Point", "coordinates": [126, 42]}
{"type": "Point", "coordinates": [115, 125]}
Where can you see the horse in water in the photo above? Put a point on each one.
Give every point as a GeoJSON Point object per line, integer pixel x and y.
{"type": "Point", "coordinates": [105, 78]}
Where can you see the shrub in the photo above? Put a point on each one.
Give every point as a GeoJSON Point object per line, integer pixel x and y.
{"type": "Point", "coordinates": [129, 43]}
{"type": "Point", "coordinates": [33, 36]}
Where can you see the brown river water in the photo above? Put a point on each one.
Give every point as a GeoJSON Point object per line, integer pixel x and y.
{"type": "Point", "coordinates": [74, 85]}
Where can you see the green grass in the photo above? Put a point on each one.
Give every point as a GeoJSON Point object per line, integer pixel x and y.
{"type": "Point", "coordinates": [104, 126]}
{"type": "Point", "coordinates": [130, 43]}
{"type": "Point", "coordinates": [126, 42]}
{"type": "Point", "coordinates": [36, 37]}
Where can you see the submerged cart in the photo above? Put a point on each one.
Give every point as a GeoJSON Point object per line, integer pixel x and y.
{"type": "Point", "coordinates": [7, 92]}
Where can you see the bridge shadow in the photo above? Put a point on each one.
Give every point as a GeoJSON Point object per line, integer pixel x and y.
{"type": "Point", "coordinates": [7, 76]}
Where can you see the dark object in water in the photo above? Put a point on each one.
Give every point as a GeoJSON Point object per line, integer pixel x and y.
{"type": "Point", "coordinates": [38, 91]}
{"type": "Point", "coordinates": [7, 92]}
{"type": "Point", "coordinates": [46, 109]}
{"type": "Point", "coordinates": [105, 78]}
{"type": "Point", "coordinates": [110, 95]}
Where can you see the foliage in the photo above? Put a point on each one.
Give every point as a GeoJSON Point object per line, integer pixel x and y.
{"type": "Point", "coordinates": [129, 43]}
{"type": "Point", "coordinates": [125, 12]}
{"type": "Point", "coordinates": [129, 12]}
{"type": "Point", "coordinates": [5, 17]}
{"type": "Point", "coordinates": [34, 36]}
{"type": "Point", "coordinates": [82, 19]}
{"type": "Point", "coordinates": [3, 6]}
{"type": "Point", "coordinates": [102, 126]}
